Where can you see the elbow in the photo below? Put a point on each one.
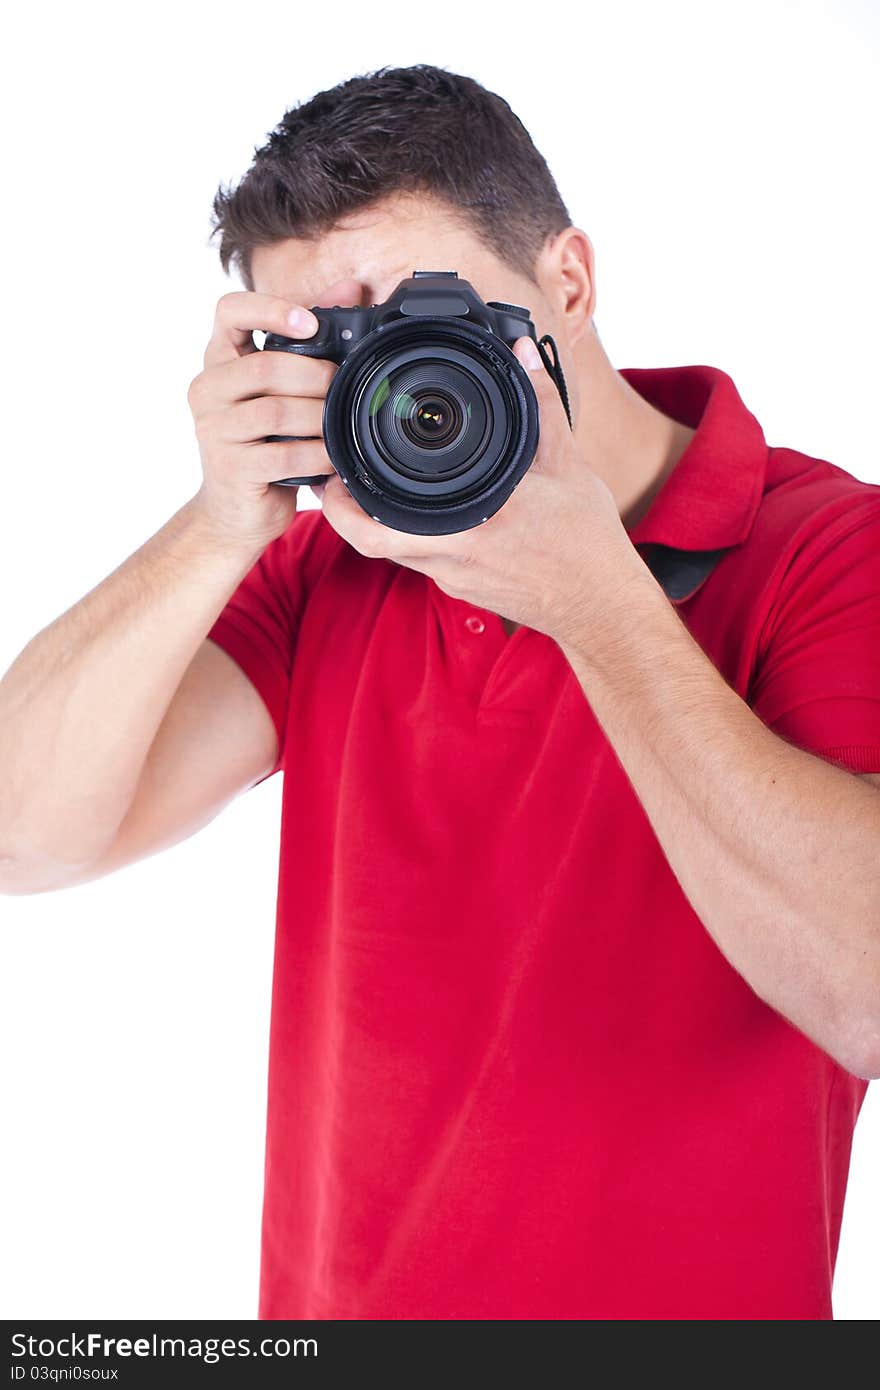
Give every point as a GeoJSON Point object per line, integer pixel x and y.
{"type": "Point", "coordinates": [24, 875]}
{"type": "Point", "coordinates": [16, 870]}
{"type": "Point", "coordinates": [11, 882]}
{"type": "Point", "coordinates": [864, 1065]}
{"type": "Point", "coordinates": [857, 1047]}
{"type": "Point", "coordinates": [9, 873]}
{"type": "Point", "coordinates": [17, 879]}
{"type": "Point", "coordinates": [23, 882]}
{"type": "Point", "coordinates": [864, 1062]}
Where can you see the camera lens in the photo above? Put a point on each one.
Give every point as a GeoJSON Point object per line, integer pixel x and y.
{"type": "Point", "coordinates": [429, 419]}
{"type": "Point", "coordinates": [431, 424]}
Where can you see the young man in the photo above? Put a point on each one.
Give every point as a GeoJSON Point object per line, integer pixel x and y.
{"type": "Point", "coordinates": [577, 977]}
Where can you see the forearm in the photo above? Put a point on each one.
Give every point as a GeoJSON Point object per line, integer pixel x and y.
{"type": "Point", "coordinates": [81, 704]}
{"type": "Point", "coordinates": [776, 849]}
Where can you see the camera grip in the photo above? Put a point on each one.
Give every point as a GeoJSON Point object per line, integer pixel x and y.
{"type": "Point", "coordinates": [295, 482]}
{"type": "Point", "coordinates": [316, 347]}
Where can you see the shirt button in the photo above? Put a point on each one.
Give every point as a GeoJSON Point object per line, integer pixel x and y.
{"type": "Point", "coordinates": [474, 624]}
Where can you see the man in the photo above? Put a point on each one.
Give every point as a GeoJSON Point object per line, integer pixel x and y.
{"type": "Point", "coordinates": [577, 975]}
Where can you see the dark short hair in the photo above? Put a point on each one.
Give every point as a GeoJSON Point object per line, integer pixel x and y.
{"type": "Point", "coordinates": [419, 129]}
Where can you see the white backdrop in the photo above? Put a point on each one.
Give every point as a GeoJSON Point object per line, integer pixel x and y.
{"type": "Point", "coordinates": [723, 160]}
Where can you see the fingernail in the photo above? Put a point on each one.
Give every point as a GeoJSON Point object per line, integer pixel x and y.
{"type": "Point", "coordinates": [530, 356]}
{"type": "Point", "coordinates": [301, 321]}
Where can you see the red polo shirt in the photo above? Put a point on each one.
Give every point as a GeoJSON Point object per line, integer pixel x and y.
{"type": "Point", "coordinates": [511, 1075]}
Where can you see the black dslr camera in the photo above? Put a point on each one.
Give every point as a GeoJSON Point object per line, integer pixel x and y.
{"type": "Point", "coordinates": [430, 420]}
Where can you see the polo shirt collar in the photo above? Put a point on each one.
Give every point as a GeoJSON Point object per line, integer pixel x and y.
{"type": "Point", "coordinates": [710, 499]}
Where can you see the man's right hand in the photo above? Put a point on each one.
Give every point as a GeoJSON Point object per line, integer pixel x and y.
{"type": "Point", "coordinates": [243, 395]}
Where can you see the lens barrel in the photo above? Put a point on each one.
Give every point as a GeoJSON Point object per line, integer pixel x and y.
{"type": "Point", "coordinates": [431, 423]}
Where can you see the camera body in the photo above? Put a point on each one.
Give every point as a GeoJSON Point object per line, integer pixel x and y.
{"type": "Point", "coordinates": [431, 420]}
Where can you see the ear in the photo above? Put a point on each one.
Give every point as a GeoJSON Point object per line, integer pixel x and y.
{"type": "Point", "coordinates": [566, 275]}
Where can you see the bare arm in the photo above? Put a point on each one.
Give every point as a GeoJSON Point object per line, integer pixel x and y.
{"type": "Point", "coordinates": [122, 730]}
{"type": "Point", "coordinates": [215, 740]}
{"type": "Point", "coordinates": [82, 704]}
{"type": "Point", "coordinates": [776, 849]}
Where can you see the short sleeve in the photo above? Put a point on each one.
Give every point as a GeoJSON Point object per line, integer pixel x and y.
{"type": "Point", "coordinates": [817, 678]}
{"type": "Point", "coordinates": [260, 623]}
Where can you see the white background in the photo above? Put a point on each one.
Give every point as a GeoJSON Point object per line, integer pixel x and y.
{"type": "Point", "coordinates": [723, 160]}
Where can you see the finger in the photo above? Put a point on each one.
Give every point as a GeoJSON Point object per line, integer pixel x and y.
{"type": "Point", "coordinates": [240, 312]}
{"type": "Point", "coordinates": [554, 424]}
{"type": "Point", "coordinates": [261, 374]}
{"type": "Point", "coordinates": [349, 520]}
{"type": "Point", "coordinates": [251, 421]}
{"type": "Point", "coordinates": [375, 539]}
{"type": "Point", "coordinates": [269, 463]}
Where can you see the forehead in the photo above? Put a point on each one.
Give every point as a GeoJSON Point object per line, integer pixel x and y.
{"type": "Point", "coordinates": [378, 246]}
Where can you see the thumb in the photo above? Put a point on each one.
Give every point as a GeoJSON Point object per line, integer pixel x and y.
{"type": "Point", "coordinates": [554, 422]}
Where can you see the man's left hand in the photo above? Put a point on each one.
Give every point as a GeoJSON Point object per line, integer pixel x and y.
{"type": "Point", "coordinates": [548, 559]}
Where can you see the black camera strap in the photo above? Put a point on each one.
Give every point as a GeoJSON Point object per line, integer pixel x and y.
{"type": "Point", "coordinates": [554, 367]}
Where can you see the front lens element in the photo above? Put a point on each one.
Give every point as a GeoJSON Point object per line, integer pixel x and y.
{"type": "Point", "coordinates": [428, 418]}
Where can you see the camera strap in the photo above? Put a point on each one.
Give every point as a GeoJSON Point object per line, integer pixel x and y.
{"type": "Point", "coordinates": [554, 367]}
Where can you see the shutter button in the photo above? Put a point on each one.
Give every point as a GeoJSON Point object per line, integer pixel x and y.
{"type": "Point", "coordinates": [474, 624]}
